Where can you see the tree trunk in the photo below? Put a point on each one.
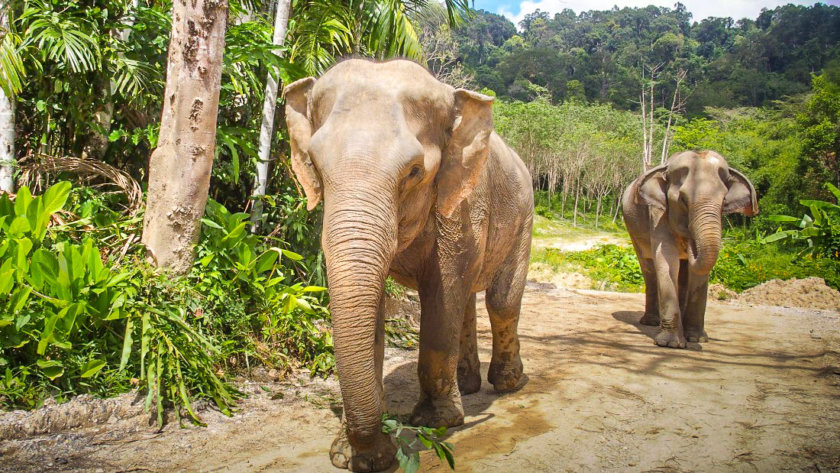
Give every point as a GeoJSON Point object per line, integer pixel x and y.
{"type": "Point", "coordinates": [179, 168]}
{"type": "Point", "coordinates": [577, 195]}
{"type": "Point", "coordinates": [281, 22]}
{"type": "Point", "coordinates": [598, 211]}
{"type": "Point", "coordinates": [615, 210]}
{"type": "Point", "coordinates": [7, 124]}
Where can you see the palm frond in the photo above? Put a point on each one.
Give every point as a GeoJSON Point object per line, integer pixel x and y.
{"type": "Point", "coordinates": [12, 71]}
{"type": "Point", "coordinates": [64, 38]}
{"type": "Point", "coordinates": [133, 77]}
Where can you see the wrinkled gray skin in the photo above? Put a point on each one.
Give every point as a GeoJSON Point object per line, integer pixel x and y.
{"type": "Point", "coordinates": [673, 214]}
{"type": "Point", "coordinates": [415, 184]}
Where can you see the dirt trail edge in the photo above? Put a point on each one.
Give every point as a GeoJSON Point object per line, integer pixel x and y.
{"type": "Point", "coordinates": [762, 395]}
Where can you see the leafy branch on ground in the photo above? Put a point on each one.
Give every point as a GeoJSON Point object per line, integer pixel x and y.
{"type": "Point", "coordinates": [411, 440]}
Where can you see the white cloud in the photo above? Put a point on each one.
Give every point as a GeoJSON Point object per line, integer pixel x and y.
{"type": "Point", "coordinates": [700, 9]}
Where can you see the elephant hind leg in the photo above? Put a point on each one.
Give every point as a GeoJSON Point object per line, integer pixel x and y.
{"type": "Point", "coordinates": [469, 376]}
{"type": "Point", "coordinates": [504, 300]}
{"type": "Point", "coordinates": [682, 286]}
{"type": "Point", "coordinates": [651, 316]}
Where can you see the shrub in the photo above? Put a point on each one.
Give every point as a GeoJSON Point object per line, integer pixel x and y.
{"type": "Point", "coordinates": [79, 319]}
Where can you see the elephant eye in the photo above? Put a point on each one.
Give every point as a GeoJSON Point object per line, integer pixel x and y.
{"type": "Point", "coordinates": [415, 171]}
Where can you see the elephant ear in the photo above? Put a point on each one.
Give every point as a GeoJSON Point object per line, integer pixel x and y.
{"type": "Point", "coordinates": [653, 188]}
{"type": "Point", "coordinates": [741, 197]}
{"type": "Point", "coordinates": [466, 152]}
{"type": "Point", "coordinates": [298, 103]}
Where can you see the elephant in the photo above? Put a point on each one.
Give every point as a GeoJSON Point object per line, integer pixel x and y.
{"type": "Point", "coordinates": [673, 214]}
{"type": "Point", "coordinates": [415, 185]}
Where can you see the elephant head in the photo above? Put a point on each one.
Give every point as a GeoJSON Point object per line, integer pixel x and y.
{"type": "Point", "coordinates": [694, 189]}
{"type": "Point", "coordinates": [384, 146]}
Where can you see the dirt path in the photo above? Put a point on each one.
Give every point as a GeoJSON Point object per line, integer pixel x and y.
{"type": "Point", "coordinates": [761, 396]}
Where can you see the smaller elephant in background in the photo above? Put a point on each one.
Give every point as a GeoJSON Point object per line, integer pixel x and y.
{"type": "Point", "coordinates": [673, 214]}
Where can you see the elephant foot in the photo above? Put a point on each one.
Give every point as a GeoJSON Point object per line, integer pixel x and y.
{"type": "Point", "coordinates": [693, 334]}
{"type": "Point", "coordinates": [650, 319]}
{"type": "Point", "coordinates": [378, 458]}
{"type": "Point", "coordinates": [438, 413]}
{"type": "Point", "coordinates": [506, 376]}
{"type": "Point", "coordinates": [670, 338]}
{"type": "Point", "coordinates": [469, 380]}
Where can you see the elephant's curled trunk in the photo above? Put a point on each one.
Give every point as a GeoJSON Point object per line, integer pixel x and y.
{"type": "Point", "coordinates": [705, 225]}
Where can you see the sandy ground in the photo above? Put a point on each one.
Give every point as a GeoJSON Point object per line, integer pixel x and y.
{"type": "Point", "coordinates": [761, 395]}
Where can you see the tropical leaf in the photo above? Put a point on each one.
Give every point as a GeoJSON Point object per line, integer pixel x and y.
{"type": "Point", "coordinates": [60, 36]}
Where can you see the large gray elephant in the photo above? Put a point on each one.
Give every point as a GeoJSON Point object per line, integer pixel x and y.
{"type": "Point", "coordinates": [673, 214]}
{"type": "Point", "coordinates": [415, 184]}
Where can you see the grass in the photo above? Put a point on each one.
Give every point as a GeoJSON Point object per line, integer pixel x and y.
{"type": "Point", "coordinates": [610, 267]}
{"type": "Point", "coordinates": [744, 261]}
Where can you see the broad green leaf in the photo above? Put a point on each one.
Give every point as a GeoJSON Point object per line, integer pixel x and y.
{"type": "Point", "coordinates": [776, 237]}
{"type": "Point", "coordinates": [292, 255]}
{"type": "Point", "coordinates": [92, 367]}
{"type": "Point", "coordinates": [52, 369]}
{"type": "Point", "coordinates": [19, 225]}
{"type": "Point", "coordinates": [834, 190]}
{"type": "Point", "coordinates": [783, 218]}
{"type": "Point", "coordinates": [265, 261]}
{"type": "Point", "coordinates": [127, 341]}
{"type": "Point", "coordinates": [7, 280]}
{"type": "Point", "coordinates": [45, 265]}
{"type": "Point", "coordinates": [20, 298]}
{"type": "Point", "coordinates": [24, 245]}
{"type": "Point", "coordinates": [211, 223]}
{"type": "Point", "coordinates": [22, 201]}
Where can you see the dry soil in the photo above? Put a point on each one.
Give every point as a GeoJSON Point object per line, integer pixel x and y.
{"type": "Point", "coordinates": [761, 395]}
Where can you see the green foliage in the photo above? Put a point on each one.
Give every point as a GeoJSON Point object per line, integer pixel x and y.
{"type": "Point", "coordinates": [77, 319]}
{"type": "Point", "coordinates": [611, 267]}
{"type": "Point", "coordinates": [407, 438]}
{"type": "Point", "coordinates": [243, 283]}
{"type": "Point", "coordinates": [820, 121]}
{"type": "Point", "coordinates": [746, 261]}
{"type": "Point", "coordinates": [820, 229]}
{"type": "Point", "coordinates": [598, 55]}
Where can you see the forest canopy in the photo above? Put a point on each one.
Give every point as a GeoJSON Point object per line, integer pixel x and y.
{"type": "Point", "coordinates": [602, 56]}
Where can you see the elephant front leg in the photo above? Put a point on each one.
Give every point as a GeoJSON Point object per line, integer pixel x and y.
{"type": "Point", "coordinates": [667, 264]}
{"type": "Point", "coordinates": [694, 313]}
{"type": "Point", "coordinates": [469, 375]}
{"type": "Point", "coordinates": [442, 308]}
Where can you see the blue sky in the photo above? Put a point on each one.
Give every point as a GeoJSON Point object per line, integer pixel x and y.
{"type": "Point", "coordinates": [737, 9]}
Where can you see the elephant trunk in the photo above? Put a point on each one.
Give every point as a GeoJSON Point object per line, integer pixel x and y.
{"type": "Point", "coordinates": [359, 240]}
{"type": "Point", "coordinates": [705, 226]}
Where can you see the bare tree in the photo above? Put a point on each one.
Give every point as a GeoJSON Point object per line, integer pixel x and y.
{"type": "Point", "coordinates": [647, 104]}
{"type": "Point", "coordinates": [281, 23]}
{"type": "Point", "coordinates": [180, 166]}
{"type": "Point", "coordinates": [677, 106]}
{"type": "Point", "coordinates": [439, 47]}
{"type": "Point", "coordinates": [7, 120]}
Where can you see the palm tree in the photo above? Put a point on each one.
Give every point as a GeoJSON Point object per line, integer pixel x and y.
{"type": "Point", "coordinates": [48, 35]}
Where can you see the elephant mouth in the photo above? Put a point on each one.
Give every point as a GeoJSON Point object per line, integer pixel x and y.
{"type": "Point", "coordinates": [692, 252]}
